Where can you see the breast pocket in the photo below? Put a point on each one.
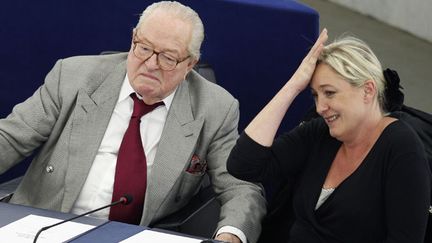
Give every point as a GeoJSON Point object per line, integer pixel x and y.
{"type": "Point", "coordinates": [190, 185]}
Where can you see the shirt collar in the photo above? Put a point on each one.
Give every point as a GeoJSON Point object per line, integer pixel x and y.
{"type": "Point", "coordinates": [127, 89]}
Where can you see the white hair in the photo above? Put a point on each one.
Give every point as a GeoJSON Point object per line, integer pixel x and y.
{"type": "Point", "coordinates": [185, 14]}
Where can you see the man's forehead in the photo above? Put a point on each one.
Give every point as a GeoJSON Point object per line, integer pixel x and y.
{"type": "Point", "coordinates": [165, 29]}
{"type": "Point", "coordinates": [165, 19]}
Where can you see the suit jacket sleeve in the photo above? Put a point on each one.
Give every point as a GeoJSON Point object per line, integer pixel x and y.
{"type": "Point", "coordinates": [30, 123]}
{"type": "Point", "coordinates": [242, 203]}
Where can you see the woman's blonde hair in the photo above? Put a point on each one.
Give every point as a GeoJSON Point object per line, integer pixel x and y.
{"type": "Point", "coordinates": [355, 61]}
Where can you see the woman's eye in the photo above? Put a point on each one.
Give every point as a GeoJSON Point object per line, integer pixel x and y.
{"type": "Point", "coordinates": [329, 93]}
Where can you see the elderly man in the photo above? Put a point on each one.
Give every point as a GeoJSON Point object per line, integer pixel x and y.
{"type": "Point", "coordinates": [142, 123]}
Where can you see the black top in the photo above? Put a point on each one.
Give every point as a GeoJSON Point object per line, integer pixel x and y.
{"type": "Point", "coordinates": [386, 199]}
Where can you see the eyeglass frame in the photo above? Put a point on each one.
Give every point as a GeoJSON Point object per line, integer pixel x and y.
{"type": "Point", "coordinates": [135, 41]}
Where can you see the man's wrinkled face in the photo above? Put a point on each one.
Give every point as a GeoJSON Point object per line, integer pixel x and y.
{"type": "Point", "coordinates": [168, 36]}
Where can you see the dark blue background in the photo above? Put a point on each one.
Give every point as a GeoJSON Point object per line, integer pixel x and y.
{"type": "Point", "coordinates": [253, 45]}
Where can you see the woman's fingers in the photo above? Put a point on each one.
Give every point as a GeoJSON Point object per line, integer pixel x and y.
{"type": "Point", "coordinates": [305, 71]}
{"type": "Point", "coordinates": [317, 47]}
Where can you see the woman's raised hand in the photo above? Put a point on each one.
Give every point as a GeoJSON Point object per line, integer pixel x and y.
{"type": "Point", "coordinates": [304, 72]}
{"type": "Point", "coordinates": [264, 126]}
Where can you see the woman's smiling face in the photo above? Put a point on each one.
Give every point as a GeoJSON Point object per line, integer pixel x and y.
{"type": "Point", "coordinates": [340, 104]}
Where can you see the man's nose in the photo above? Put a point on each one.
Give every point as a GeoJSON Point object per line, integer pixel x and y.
{"type": "Point", "coordinates": [152, 63]}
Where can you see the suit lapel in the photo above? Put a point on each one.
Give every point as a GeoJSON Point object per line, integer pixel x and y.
{"type": "Point", "coordinates": [177, 143]}
{"type": "Point", "coordinates": [90, 120]}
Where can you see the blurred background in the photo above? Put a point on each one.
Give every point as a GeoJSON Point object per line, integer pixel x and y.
{"type": "Point", "coordinates": [398, 31]}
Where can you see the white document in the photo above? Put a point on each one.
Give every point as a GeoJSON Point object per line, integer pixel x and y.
{"type": "Point", "coordinates": [24, 230]}
{"type": "Point", "coordinates": [153, 236]}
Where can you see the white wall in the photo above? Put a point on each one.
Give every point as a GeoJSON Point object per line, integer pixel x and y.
{"type": "Point", "coordinates": [414, 16]}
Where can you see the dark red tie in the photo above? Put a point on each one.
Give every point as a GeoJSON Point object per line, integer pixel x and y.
{"type": "Point", "coordinates": [131, 169]}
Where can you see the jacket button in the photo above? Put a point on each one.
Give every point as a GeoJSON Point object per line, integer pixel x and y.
{"type": "Point", "coordinates": [49, 169]}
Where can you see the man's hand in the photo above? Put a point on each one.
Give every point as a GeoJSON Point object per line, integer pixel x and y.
{"type": "Point", "coordinates": [228, 238]}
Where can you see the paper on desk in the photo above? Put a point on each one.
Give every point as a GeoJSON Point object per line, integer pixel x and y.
{"type": "Point", "coordinates": [25, 229]}
{"type": "Point", "coordinates": [153, 236]}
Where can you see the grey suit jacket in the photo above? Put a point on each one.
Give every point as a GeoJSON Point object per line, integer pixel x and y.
{"type": "Point", "coordinates": [66, 119]}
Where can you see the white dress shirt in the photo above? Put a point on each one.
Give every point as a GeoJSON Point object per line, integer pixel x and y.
{"type": "Point", "coordinates": [98, 187]}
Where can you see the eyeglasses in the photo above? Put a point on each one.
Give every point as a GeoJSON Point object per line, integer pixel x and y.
{"type": "Point", "coordinates": [144, 52]}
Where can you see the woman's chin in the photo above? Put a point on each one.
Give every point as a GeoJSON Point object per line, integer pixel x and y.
{"type": "Point", "coordinates": [334, 133]}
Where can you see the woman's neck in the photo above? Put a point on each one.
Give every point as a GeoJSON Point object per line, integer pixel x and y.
{"type": "Point", "coordinates": [367, 135]}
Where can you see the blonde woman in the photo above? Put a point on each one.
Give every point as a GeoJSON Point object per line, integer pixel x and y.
{"type": "Point", "coordinates": [362, 175]}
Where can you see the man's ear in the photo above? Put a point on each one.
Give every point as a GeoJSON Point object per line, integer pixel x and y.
{"type": "Point", "coordinates": [191, 64]}
{"type": "Point", "coordinates": [370, 90]}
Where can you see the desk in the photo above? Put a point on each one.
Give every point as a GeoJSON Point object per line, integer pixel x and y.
{"type": "Point", "coordinates": [12, 212]}
{"type": "Point", "coordinates": [105, 231]}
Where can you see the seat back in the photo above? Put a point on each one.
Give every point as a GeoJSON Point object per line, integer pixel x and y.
{"type": "Point", "coordinates": [199, 217]}
{"type": "Point", "coordinates": [421, 122]}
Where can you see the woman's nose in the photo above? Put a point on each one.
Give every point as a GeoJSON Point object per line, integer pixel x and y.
{"type": "Point", "coordinates": [321, 106]}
